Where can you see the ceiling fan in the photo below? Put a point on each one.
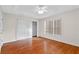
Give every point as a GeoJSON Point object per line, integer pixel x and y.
{"type": "Point", "coordinates": [41, 9]}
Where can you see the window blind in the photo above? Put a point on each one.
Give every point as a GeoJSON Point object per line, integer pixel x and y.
{"type": "Point", "coordinates": [53, 26]}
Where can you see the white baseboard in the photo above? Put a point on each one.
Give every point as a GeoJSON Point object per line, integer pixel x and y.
{"type": "Point", "coordinates": [16, 40]}
{"type": "Point", "coordinates": [70, 43]}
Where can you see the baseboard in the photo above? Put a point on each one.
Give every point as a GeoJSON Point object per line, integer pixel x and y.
{"type": "Point", "coordinates": [62, 41]}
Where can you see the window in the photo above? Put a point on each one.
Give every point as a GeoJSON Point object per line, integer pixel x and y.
{"type": "Point", "coordinates": [53, 26]}
{"type": "Point", "coordinates": [1, 24]}
{"type": "Point", "coordinates": [57, 27]}
{"type": "Point", "coordinates": [49, 26]}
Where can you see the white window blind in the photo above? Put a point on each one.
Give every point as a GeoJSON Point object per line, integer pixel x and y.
{"type": "Point", "coordinates": [53, 26]}
{"type": "Point", "coordinates": [1, 24]}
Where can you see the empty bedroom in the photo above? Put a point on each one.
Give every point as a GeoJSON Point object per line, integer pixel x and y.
{"type": "Point", "coordinates": [39, 29]}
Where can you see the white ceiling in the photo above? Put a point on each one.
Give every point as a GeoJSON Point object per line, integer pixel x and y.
{"type": "Point", "coordinates": [29, 10]}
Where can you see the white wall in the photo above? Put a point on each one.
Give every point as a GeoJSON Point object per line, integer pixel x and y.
{"type": "Point", "coordinates": [70, 28]}
{"type": "Point", "coordinates": [40, 26]}
{"type": "Point", "coordinates": [9, 26]}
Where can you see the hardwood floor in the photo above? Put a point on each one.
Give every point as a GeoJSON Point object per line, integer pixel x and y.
{"type": "Point", "coordinates": [38, 46]}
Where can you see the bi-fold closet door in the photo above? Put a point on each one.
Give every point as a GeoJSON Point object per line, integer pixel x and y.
{"type": "Point", "coordinates": [24, 28]}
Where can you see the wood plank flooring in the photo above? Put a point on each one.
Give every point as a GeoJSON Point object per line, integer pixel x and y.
{"type": "Point", "coordinates": [38, 45]}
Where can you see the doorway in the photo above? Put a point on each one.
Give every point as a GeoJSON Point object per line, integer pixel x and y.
{"type": "Point", "coordinates": [34, 29]}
